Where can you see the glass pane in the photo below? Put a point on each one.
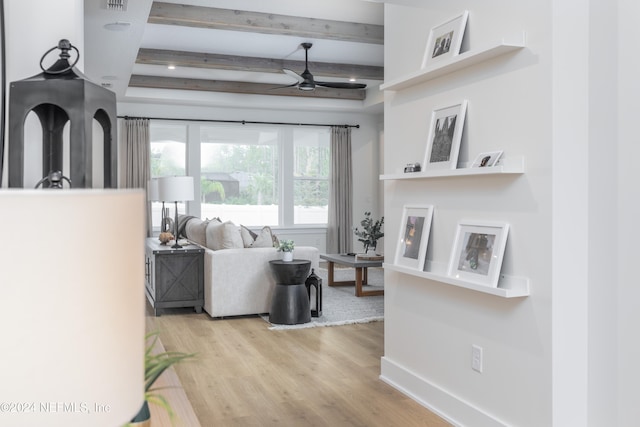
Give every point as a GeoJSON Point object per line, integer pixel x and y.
{"type": "Point", "coordinates": [168, 149]}
{"type": "Point", "coordinates": [311, 175]}
{"type": "Point", "coordinates": [168, 158]}
{"type": "Point", "coordinates": [239, 174]}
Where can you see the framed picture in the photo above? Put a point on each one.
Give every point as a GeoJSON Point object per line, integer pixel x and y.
{"type": "Point", "coordinates": [445, 134]}
{"type": "Point", "coordinates": [445, 40]}
{"type": "Point", "coordinates": [414, 236]}
{"type": "Point", "coordinates": [477, 252]}
{"type": "Point", "coordinates": [488, 159]}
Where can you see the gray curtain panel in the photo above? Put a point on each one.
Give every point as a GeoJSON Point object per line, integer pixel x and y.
{"type": "Point", "coordinates": [136, 147]}
{"type": "Point", "coordinates": [340, 223]}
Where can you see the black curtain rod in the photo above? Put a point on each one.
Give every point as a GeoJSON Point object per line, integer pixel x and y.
{"type": "Point", "coordinates": [244, 122]}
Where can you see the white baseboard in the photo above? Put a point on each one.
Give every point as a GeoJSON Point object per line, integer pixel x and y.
{"type": "Point", "coordinates": [437, 400]}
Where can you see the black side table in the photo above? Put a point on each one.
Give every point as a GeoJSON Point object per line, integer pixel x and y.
{"type": "Point", "coordinates": [290, 301]}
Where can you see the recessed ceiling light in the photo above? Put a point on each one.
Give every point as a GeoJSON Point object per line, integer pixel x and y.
{"type": "Point", "coordinates": [117, 26]}
{"type": "Point", "coordinates": [171, 67]}
{"type": "Point", "coordinates": [352, 79]}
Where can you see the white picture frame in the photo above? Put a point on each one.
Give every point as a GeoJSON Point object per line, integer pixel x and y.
{"type": "Point", "coordinates": [413, 236]}
{"type": "Point", "coordinates": [486, 159]}
{"type": "Point", "coordinates": [445, 134]}
{"type": "Point", "coordinates": [478, 251]}
{"type": "Point", "coordinates": [445, 40]}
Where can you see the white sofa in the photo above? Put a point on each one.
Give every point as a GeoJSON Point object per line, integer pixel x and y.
{"type": "Point", "coordinates": [237, 280]}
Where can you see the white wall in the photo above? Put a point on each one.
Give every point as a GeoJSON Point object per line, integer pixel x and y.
{"type": "Point", "coordinates": [566, 354]}
{"type": "Point", "coordinates": [429, 326]}
{"type": "Point", "coordinates": [24, 47]}
{"type": "Point", "coordinates": [627, 212]}
{"type": "Point", "coordinates": [365, 143]}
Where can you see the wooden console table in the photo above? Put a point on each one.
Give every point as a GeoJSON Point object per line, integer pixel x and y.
{"type": "Point", "coordinates": [174, 277]}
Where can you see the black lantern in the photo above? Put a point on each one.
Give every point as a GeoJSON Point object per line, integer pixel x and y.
{"type": "Point", "coordinates": [58, 95]}
{"type": "Point", "coordinates": [314, 281]}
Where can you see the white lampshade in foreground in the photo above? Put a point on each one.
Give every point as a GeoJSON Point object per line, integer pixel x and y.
{"type": "Point", "coordinates": [72, 316]}
{"type": "Point", "coordinates": [175, 188]}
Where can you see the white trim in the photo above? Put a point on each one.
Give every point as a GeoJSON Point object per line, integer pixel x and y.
{"type": "Point", "coordinates": [435, 398]}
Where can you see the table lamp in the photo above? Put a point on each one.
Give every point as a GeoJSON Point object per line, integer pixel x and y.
{"type": "Point", "coordinates": [73, 307]}
{"type": "Point", "coordinates": [176, 189]}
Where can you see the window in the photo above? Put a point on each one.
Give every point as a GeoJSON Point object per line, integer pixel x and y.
{"type": "Point", "coordinates": [239, 174]}
{"type": "Point", "coordinates": [168, 149]}
{"type": "Point", "coordinates": [311, 176]}
{"type": "Point", "coordinates": [253, 175]}
{"type": "Point", "coordinates": [168, 158]}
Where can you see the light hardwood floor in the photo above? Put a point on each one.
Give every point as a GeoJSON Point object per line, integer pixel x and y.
{"type": "Point", "coordinates": [246, 375]}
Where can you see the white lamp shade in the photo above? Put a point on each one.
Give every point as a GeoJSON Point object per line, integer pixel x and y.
{"type": "Point", "coordinates": [153, 192]}
{"type": "Point", "coordinates": [72, 274]}
{"type": "Point", "coordinates": [175, 188]}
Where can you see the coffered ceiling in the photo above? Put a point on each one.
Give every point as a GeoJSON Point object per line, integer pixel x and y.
{"type": "Point", "coordinates": [220, 52]}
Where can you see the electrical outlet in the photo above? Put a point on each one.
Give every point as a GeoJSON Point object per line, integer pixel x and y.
{"type": "Point", "coordinates": [476, 358]}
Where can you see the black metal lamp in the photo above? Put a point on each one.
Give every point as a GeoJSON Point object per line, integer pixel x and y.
{"type": "Point", "coordinates": [58, 95]}
{"type": "Point", "coordinates": [176, 189]}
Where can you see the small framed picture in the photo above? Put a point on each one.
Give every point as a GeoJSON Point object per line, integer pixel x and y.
{"type": "Point", "coordinates": [413, 237]}
{"type": "Point", "coordinates": [445, 40]}
{"type": "Point", "coordinates": [477, 252]}
{"type": "Point", "coordinates": [488, 159]}
{"type": "Point", "coordinates": [445, 134]}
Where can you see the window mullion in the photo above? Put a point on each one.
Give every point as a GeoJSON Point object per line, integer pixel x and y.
{"type": "Point", "coordinates": [286, 169]}
{"type": "Point", "coordinates": [193, 167]}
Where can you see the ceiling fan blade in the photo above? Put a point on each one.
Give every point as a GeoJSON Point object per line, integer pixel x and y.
{"type": "Point", "coordinates": [293, 74]}
{"type": "Point", "coordinates": [337, 85]}
{"type": "Point", "coordinates": [282, 87]}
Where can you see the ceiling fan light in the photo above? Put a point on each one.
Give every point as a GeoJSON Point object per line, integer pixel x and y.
{"type": "Point", "coordinates": [306, 86]}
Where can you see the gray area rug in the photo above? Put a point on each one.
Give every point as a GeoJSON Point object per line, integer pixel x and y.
{"type": "Point", "coordinates": [340, 306]}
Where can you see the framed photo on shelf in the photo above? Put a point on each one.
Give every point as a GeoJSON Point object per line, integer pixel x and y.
{"type": "Point", "coordinates": [413, 237]}
{"type": "Point", "coordinates": [445, 40]}
{"type": "Point", "coordinates": [445, 134]}
{"type": "Point", "coordinates": [477, 252]}
{"type": "Point", "coordinates": [488, 159]}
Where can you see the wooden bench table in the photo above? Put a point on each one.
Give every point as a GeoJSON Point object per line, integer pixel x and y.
{"type": "Point", "coordinates": [361, 272]}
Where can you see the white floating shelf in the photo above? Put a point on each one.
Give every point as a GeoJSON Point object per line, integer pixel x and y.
{"type": "Point", "coordinates": [513, 165]}
{"type": "Point", "coordinates": [458, 62]}
{"type": "Point", "coordinates": [508, 286]}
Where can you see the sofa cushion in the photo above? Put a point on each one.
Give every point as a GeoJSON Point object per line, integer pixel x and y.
{"type": "Point", "coordinates": [223, 235]}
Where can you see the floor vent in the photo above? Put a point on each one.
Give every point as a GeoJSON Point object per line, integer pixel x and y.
{"type": "Point", "coordinates": [117, 5]}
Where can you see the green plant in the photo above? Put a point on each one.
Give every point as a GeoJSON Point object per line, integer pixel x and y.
{"type": "Point", "coordinates": [286, 246]}
{"type": "Point", "coordinates": [154, 365]}
{"type": "Point", "coordinates": [371, 231]}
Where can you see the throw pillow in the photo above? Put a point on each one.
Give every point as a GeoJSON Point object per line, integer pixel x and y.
{"type": "Point", "coordinates": [195, 231]}
{"type": "Point", "coordinates": [264, 239]}
{"type": "Point", "coordinates": [248, 236]}
{"type": "Point", "coordinates": [223, 235]}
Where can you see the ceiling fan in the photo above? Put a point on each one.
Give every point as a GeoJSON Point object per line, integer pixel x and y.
{"type": "Point", "coordinates": [306, 80]}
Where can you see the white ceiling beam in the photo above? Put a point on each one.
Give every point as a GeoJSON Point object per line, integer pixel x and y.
{"type": "Point", "coordinates": [265, 23]}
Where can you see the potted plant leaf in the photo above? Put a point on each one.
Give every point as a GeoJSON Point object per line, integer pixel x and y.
{"type": "Point", "coordinates": [286, 247]}
{"type": "Point", "coordinates": [154, 365]}
{"type": "Point", "coordinates": [370, 233]}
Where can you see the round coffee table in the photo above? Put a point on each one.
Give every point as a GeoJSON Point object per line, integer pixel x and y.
{"type": "Point", "coordinates": [290, 301]}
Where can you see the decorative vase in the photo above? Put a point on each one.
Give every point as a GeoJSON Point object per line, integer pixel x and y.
{"type": "Point", "coordinates": [287, 256]}
{"type": "Point", "coordinates": [143, 419]}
